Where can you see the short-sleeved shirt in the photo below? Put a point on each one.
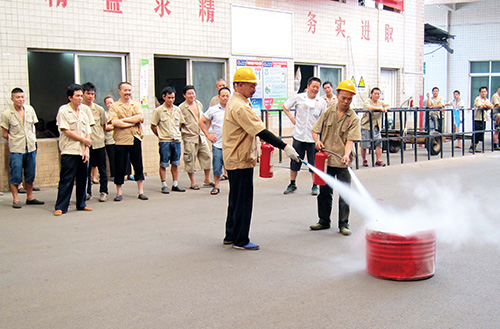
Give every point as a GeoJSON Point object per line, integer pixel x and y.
{"type": "Point", "coordinates": [307, 112]}
{"type": "Point", "coordinates": [168, 124]}
{"type": "Point", "coordinates": [336, 132]}
{"type": "Point", "coordinates": [191, 131]}
{"type": "Point", "coordinates": [22, 135]}
{"type": "Point", "coordinates": [68, 119]}
{"type": "Point", "coordinates": [214, 101]}
{"type": "Point", "coordinates": [330, 101]}
{"type": "Point", "coordinates": [376, 115]}
{"type": "Point", "coordinates": [435, 101]}
{"type": "Point", "coordinates": [109, 140]}
{"type": "Point", "coordinates": [480, 113]}
{"type": "Point", "coordinates": [241, 125]}
{"type": "Point", "coordinates": [495, 100]}
{"type": "Point", "coordinates": [457, 105]}
{"type": "Point", "coordinates": [97, 134]}
{"type": "Point", "coordinates": [216, 116]}
{"type": "Point", "coordinates": [125, 136]}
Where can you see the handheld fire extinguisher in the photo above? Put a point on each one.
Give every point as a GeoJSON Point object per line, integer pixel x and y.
{"type": "Point", "coordinates": [320, 163]}
{"type": "Point", "coordinates": [266, 160]}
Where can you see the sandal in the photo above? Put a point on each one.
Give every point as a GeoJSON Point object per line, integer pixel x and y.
{"type": "Point", "coordinates": [211, 184]}
{"type": "Point", "coordinates": [224, 177]}
{"type": "Point", "coordinates": [215, 191]}
{"type": "Point", "coordinates": [194, 187]}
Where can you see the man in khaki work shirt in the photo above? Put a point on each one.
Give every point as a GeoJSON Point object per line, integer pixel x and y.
{"type": "Point", "coordinates": [435, 102]}
{"type": "Point", "coordinates": [18, 127]}
{"type": "Point", "coordinates": [221, 83]}
{"type": "Point", "coordinates": [97, 151]}
{"type": "Point", "coordinates": [126, 118]}
{"type": "Point", "coordinates": [239, 147]}
{"type": "Point", "coordinates": [481, 107]}
{"type": "Point", "coordinates": [339, 128]}
{"type": "Point", "coordinates": [329, 96]}
{"type": "Point", "coordinates": [74, 143]}
{"type": "Point", "coordinates": [165, 124]}
{"type": "Point", "coordinates": [195, 143]}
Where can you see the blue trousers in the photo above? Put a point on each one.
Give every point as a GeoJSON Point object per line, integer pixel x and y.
{"type": "Point", "coordinates": [240, 204]}
{"type": "Point", "coordinates": [72, 169]}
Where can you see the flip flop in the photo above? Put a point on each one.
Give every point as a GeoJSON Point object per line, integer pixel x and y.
{"type": "Point", "coordinates": [211, 184]}
{"type": "Point", "coordinates": [224, 177]}
{"type": "Point", "coordinates": [215, 191]}
{"type": "Point", "coordinates": [194, 187]}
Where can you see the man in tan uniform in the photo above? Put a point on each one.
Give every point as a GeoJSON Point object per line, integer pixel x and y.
{"type": "Point", "coordinates": [482, 105]}
{"type": "Point", "coordinates": [18, 127]}
{"type": "Point", "coordinates": [74, 143]}
{"type": "Point", "coordinates": [97, 151]}
{"type": "Point", "coordinates": [241, 126]}
{"type": "Point", "coordinates": [165, 124]}
{"type": "Point", "coordinates": [195, 143]}
{"type": "Point", "coordinates": [329, 96]}
{"type": "Point", "coordinates": [339, 128]}
{"type": "Point", "coordinates": [126, 118]}
{"type": "Point", "coordinates": [374, 107]}
{"type": "Point", "coordinates": [495, 100]}
{"type": "Point", "coordinates": [435, 102]}
{"type": "Point", "coordinates": [221, 83]}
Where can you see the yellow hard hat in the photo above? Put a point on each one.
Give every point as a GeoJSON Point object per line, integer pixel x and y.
{"type": "Point", "coordinates": [245, 74]}
{"type": "Point", "coordinates": [347, 85]}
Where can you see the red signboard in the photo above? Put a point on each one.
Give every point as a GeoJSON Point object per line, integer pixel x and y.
{"type": "Point", "coordinates": [396, 4]}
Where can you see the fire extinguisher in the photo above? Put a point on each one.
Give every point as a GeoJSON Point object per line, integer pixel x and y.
{"type": "Point", "coordinates": [266, 160]}
{"type": "Point", "coordinates": [320, 163]}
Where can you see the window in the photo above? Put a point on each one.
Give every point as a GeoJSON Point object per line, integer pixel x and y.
{"type": "Point", "coordinates": [484, 73]}
{"type": "Point", "coordinates": [326, 73]}
{"type": "Point", "coordinates": [179, 72]}
{"type": "Point", "coordinates": [50, 73]}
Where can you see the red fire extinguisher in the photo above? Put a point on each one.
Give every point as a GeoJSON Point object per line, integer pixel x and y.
{"type": "Point", "coordinates": [320, 163]}
{"type": "Point", "coordinates": [266, 160]}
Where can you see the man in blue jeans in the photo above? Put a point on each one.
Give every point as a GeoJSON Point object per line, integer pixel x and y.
{"type": "Point", "coordinates": [213, 119]}
{"type": "Point", "coordinates": [18, 127]}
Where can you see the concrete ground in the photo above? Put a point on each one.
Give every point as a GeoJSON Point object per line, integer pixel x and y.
{"type": "Point", "coordinates": [161, 263]}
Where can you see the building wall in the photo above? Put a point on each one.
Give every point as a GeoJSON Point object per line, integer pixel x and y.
{"type": "Point", "coordinates": [140, 33]}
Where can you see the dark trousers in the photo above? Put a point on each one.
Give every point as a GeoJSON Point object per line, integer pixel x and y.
{"type": "Point", "coordinates": [72, 169]}
{"type": "Point", "coordinates": [98, 159]}
{"type": "Point", "coordinates": [240, 203]}
{"type": "Point", "coordinates": [325, 199]}
{"type": "Point", "coordinates": [110, 151]}
{"type": "Point", "coordinates": [135, 153]}
{"type": "Point", "coordinates": [479, 137]}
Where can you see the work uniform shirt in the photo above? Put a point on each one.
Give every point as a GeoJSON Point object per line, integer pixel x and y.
{"type": "Point", "coordinates": [22, 135]}
{"type": "Point", "coordinates": [168, 124]}
{"type": "Point", "coordinates": [435, 101]}
{"type": "Point", "coordinates": [216, 116]}
{"type": "Point", "coordinates": [480, 113]}
{"type": "Point", "coordinates": [97, 134]}
{"type": "Point", "coordinates": [109, 140]}
{"type": "Point", "coordinates": [329, 101]}
{"type": "Point", "coordinates": [336, 132]}
{"type": "Point", "coordinates": [214, 101]}
{"type": "Point", "coordinates": [125, 136]}
{"type": "Point", "coordinates": [241, 125]}
{"type": "Point", "coordinates": [307, 112]}
{"type": "Point", "coordinates": [376, 115]}
{"type": "Point", "coordinates": [191, 131]}
{"type": "Point", "coordinates": [68, 119]}
{"type": "Point", "coordinates": [495, 100]}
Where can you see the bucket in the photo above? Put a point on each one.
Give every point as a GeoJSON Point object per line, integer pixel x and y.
{"type": "Point", "coordinates": [401, 257]}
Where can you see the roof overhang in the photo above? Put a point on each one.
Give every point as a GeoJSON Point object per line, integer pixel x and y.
{"type": "Point", "coordinates": [435, 35]}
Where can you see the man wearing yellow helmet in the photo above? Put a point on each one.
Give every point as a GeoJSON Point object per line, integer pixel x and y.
{"type": "Point", "coordinates": [339, 128]}
{"type": "Point", "coordinates": [239, 148]}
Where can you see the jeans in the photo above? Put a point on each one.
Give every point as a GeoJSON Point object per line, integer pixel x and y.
{"type": "Point", "coordinates": [20, 162]}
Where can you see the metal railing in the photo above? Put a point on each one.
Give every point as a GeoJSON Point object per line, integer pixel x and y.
{"type": "Point", "coordinates": [412, 129]}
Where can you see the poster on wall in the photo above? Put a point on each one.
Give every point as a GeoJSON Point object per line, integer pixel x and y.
{"type": "Point", "coordinates": [271, 89]}
{"type": "Point", "coordinates": [143, 89]}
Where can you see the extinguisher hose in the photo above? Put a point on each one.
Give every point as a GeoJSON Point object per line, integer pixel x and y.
{"type": "Point", "coordinates": [333, 153]}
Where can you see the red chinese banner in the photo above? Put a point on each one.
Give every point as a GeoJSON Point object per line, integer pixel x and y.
{"type": "Point", "coordinates": [396, 4]}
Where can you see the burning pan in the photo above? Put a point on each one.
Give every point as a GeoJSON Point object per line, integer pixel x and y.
{"type": "Point", "coordinates": [401, 257]}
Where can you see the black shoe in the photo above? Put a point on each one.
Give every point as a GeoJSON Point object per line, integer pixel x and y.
{"type": "Point", "coordinates": [178, 189]}
{"type": "Point", "coordinates": [290, 188]}
{"type": "Point", "coordinates": [318, 226]}
{"type": "Point", "coordinates": [35, 201]}
{"type": "Point", "coordinates": [21, 190]}
{"type": "Point", "coordinates": [36, 189]}
{"type": "Point", "coordinates": [142, 196]}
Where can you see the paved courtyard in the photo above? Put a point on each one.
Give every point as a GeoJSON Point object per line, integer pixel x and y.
{"type": "Point", "coordinates": [161, 263]}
